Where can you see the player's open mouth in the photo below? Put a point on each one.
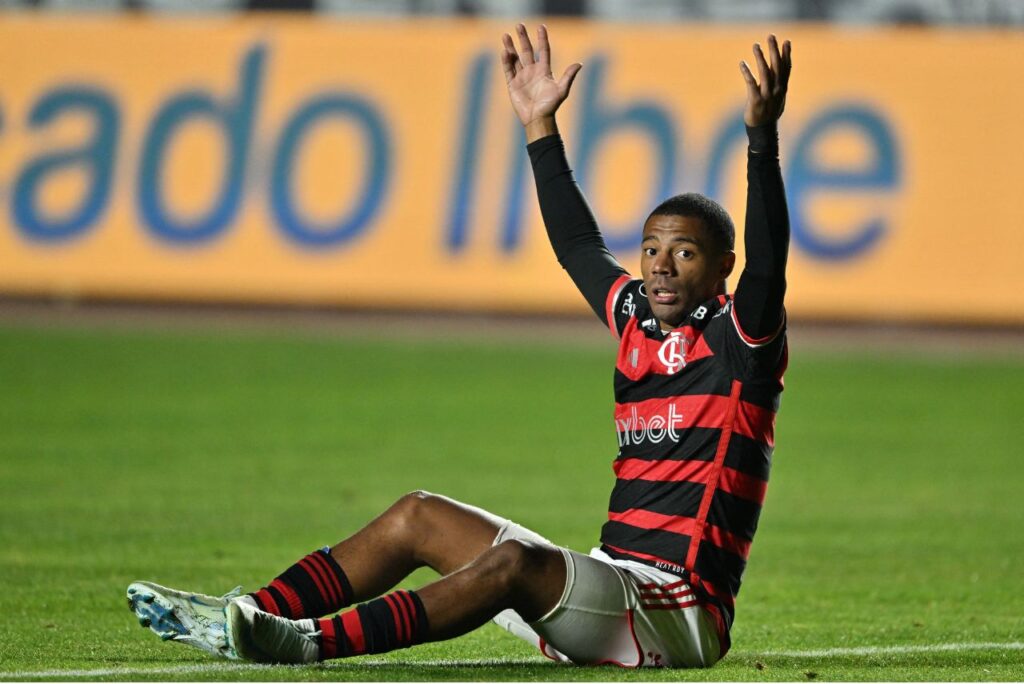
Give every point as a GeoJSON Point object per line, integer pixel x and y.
{"type": "Point", "coordinates": [663, 296]}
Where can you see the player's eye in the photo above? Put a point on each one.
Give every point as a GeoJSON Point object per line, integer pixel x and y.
{"type": "Point", "coordinates": [684, 253]}
{"type": "Point", "coordinates": [650, 251]}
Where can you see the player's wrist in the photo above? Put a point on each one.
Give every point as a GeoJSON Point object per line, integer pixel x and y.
{"type": "Point", "coordinates": [763, 137]}
{"type": "Point", "coordinates": [541, 127]}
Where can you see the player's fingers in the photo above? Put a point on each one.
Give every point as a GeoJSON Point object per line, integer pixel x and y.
{"type": "Point", "coordinates": [543, 46]}
{"type": "Point", "coordinates": [565, 83]}
{"type": "Point", "coordinates": [787, 64]}
{"type": "Point", "coordinates": [525, 46]}
{"type": "Point", "coordinates": [764, 73]}
{"type": "Point", "coordinates": [775, 59]}
{"type": "Point", "coordinates": [752, 87]}
{"type": "Point", "coordinates": [510, 47]}
{"type": "Point", "coordinates": [508, 64]}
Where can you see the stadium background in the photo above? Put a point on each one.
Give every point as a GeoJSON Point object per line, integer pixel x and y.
{"type": "Point", "coordinates": [263, 271]}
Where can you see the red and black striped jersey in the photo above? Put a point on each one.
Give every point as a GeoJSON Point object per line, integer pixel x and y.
{"type": "Point", "coordinates": [694, 417]}
{"type": "Point", "coordinates": [694, 407]}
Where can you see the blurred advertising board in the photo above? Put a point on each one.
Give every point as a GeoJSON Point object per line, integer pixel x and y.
{"type": "Point", "coordinates": [378, 164]}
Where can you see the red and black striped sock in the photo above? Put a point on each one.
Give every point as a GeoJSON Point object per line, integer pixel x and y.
{"type": "Point", "coordinates": [313, 587]}
{"type": "Point", "coordinates": [396, 620]}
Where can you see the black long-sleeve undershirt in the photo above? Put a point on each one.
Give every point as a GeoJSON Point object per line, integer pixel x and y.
{"type": "Point", "coordinates": [759, 295]}
{"type": "Point", "coordinates": [571, 226]}
{"type": "Point", "coordinates": [580, 249]}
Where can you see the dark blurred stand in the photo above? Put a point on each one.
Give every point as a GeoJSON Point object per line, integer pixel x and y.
{"type": "Point", "coordinates": [1009, 13]}
{"type": "Point", "coordinates": [301, 5]}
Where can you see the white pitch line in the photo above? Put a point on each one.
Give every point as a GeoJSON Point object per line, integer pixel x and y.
{"type": "Point", "coordinates": [248, 667]}
{"type": "Point", "coordinates": [111, 671]}
{"type": "Point", "coordinates": [892, 650]}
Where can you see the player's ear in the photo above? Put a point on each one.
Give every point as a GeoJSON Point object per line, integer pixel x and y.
{"type": "Point", "coordinates": [727, 264]}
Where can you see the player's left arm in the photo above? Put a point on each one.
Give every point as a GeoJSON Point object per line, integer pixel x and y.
{"type": "Point", "coordinates": [536, 96]}
{"type": "Point", "coordinates": [758, 300]}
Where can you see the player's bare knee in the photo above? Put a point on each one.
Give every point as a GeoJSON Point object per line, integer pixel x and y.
{"type": "Point", "coordinates": [530, 575]}
{"type": "Point", "coordinates": [415, 498]}
{"type": "Point", "coordinates": [406, 514]}
{"type": "Point", "coordinates": [518, 562]}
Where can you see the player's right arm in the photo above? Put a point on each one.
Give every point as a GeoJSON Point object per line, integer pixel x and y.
{"type": "Point", "coordinates": [758, 300]}
{"type": "Point", "coordinates": [571, 227]}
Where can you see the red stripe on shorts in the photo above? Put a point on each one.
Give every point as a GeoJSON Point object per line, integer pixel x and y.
{"type": "Point", "coordinates": [679, 605]}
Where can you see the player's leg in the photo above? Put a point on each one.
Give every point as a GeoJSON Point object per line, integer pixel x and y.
{"type": "Point", "coordinates": [523, 576]}
{"type": "Point", "coordinates": [580, 608]}
{"type": "Point", "coordinates": [508, 619]}
{"type": "Point", "coordinates": [420, 529]}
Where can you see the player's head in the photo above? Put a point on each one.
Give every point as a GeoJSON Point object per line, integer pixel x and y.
{"type": "Point", "coordinates": [687, 253]}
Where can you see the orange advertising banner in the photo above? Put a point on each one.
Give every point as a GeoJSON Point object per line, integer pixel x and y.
{"type": "Point", "coordinates": [378, 164]}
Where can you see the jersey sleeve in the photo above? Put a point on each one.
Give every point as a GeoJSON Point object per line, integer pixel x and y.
{"type": "Point", "coordinates": [624, 300]}
{"type": "Point", "coordinates": [571, 227]}
{"type": "Point", "coordinates": [757, 310]}
{"type": "Point", "coordinates": [748, 358]}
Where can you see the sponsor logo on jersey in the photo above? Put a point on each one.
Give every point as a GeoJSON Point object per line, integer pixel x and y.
{"type": "Point", "coordinates": [628, 305]}
{"type": "Point", "coordinates": [634, 429]}
{"type": "Point", "coordinates": [650, 324]}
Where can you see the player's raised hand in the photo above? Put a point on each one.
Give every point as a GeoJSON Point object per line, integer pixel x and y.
{"type": "Point", "coordinates": [766, 99]}
{"type": "Point", "coordinates": [534, 92]}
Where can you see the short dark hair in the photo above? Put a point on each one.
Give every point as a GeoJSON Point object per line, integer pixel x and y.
{"type": "Point", "coordinates": [695, 205]}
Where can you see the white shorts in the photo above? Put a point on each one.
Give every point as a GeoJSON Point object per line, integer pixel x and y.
{"type": "Point", "coordinates": [617, 612]}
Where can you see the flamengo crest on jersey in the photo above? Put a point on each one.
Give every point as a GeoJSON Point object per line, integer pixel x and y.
{"type": "Point", "coordinates": [672, 352]}
{"type": "Point", "coordinates": [694, 418]}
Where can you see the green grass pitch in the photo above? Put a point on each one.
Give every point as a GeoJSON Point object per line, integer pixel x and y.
{"type": "Point", "coordinates": [891, 546]}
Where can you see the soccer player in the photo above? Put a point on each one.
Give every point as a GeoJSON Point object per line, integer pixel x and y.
{"type": "Point", "coordinates": [697, 384]}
